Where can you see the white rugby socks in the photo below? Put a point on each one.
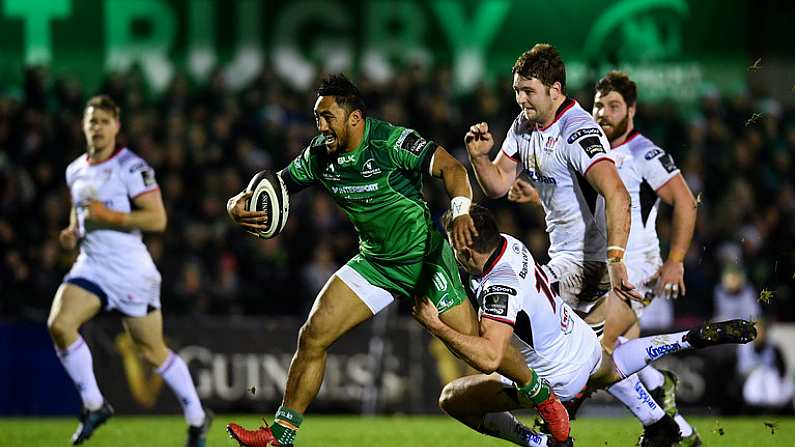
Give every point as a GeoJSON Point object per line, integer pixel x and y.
{"type": "Point", "coordinates": [76, 360]}
{"type": "Point", "coordinates": [505, 426]}
{"type": "Point", "coordinates": [634, 355]}
{"type": "Point", "coordinates": [637, 399]}
{"type": "Point", "coordinates": [175, 373]}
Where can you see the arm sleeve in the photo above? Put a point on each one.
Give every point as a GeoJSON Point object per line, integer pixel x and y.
{"type": "Point", "coordinates": [657, 167]}
{"type": "Point", "coordinates": [300, 172]}
{"type": "Point", "coordinates": [138, 177]}
{"type": "Point", "coordinates": [500, 300]}
{"type": "Point", "coordinates": [409, 151]}
{"type": "Point", "coordinates": [585, 146]}
{"type": "Point", "coordinates": [510, 145]}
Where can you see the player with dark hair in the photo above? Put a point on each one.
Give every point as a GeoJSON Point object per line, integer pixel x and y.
{"type": "Point", "coordinates": [518, 307]}
{"type": "Point", "coordinates": [115, 197]}
{"type": "Point", "coordinates": [563, 151]}
{"type": "Point", "coordinates": [373, 170]}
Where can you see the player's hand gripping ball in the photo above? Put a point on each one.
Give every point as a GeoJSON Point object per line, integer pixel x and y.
{"type": "Point", "coordinates": [269, 196]}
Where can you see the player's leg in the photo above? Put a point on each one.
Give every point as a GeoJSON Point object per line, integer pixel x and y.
{"type": "Point", "coordinates": [147, 333]}
{"type": "Point", "coordinates": [483, 403]}
{"type": "Point", "coordinates": [75, 303]}
{"type": "Point", "coordinates": [619, 318]}
{"type": "Point", "coordinates": [338, 308]}
{"type": "Point", "coordinates": [73, 306]}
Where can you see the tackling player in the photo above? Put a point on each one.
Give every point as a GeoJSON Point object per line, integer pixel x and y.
{"type": "Point", "coordinates": [650, 175]}
{"type": "Point", "coordinates": [373, 170]}
{"type": "Point", "coordinates": [518, 307]}
{"type": "Point", "coordinates": [115, 197]}
{"type": "Point", "coordinates": [564, 152]}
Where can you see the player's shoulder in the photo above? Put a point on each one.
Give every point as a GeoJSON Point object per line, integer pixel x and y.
{"type": "Point", "coordinates": [506, 267]}
{"type": "Point", "coordinates": [521, 126]}
{"type": "Point", "coordinates": [77, 164]}
{"type": "Point", "coordinates": [643, 148]}
{"type": "Point", "coordinates": [127, 158]}
{"type": "Point", "coordinates": [576, 123]}
{"type": "Point", "coordinates": [380, 131]}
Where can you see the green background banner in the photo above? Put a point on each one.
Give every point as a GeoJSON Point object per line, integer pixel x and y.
{"type": "Point", "coordinates": [670, 46]}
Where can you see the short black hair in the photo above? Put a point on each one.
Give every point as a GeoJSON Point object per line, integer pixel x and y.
{"type": "Point", "coordinates": [544, 63]}
{"type": "Point", "coordinates": [104, 102]}
{"type": "Point", "coordinates": [618, 81]}
{"type": "Point", "coordinates": [488, 238]}
{"type": "Point", "coordinates": [344, 92]}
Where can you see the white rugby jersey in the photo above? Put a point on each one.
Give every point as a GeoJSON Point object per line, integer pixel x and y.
{"type": "Point", "coordinates": [644, 168]}
{"type": "Point", "coordinates": [115, 182]}
{"type": "Point", "coordinates": [513, 289]}
{"type": "Point", "coordinates": [557, 158]}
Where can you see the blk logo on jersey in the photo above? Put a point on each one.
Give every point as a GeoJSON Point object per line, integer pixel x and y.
{"type": "Point", "coordinates": [369, 168]}
{"type": "Point", "coordinates": [148, 177]}
{"type": "Point", "coordinates": [566, 323]}
{"type": "Point", "coordinates": [592, 146]}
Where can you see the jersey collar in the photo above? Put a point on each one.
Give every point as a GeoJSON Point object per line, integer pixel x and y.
{"type": "Point", "coordinates": [564, 107]}
{"type": "Point", "coordinates": [634, 133]}
{"type": "Point", "coordinates": [495, 257]}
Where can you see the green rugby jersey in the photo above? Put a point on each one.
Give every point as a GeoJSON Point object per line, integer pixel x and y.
{"type": "Point", "coordinates": [378, 185]}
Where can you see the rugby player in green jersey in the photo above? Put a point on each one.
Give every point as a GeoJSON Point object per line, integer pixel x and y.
{"type": "Point", "coordinates": [373, 170]}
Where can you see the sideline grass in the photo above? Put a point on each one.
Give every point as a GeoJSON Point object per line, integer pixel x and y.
{"type": "Point", "coordinates": [332, 431]}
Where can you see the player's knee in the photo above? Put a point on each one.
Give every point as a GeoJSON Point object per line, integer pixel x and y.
{"type": "Point", "coordinates": [155, 355]}
{"type": "Point", "coordinates": [59, 327]}
{"type": "Point", "coordinates": [311, 338]}
{"type": "Point", "coordinates": [448, 399]}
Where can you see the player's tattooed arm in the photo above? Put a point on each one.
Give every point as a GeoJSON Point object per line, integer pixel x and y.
{"type": "Point", "coordinates": [149, 213]}
{"type": "Point", "coordinates": [456, 182]}
{"type": "Point", "coordinates": [483, 352]}
{"type": "Point", "coordinates": [676, 193]}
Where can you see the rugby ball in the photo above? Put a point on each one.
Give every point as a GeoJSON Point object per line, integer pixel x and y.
{"type": "Point", "coordinates": [269, 196]}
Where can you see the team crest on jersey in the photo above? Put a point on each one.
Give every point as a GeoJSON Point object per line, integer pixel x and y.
{"type": "Point", "coordinates": [330, 173]}
{"type": "Point", "coordinates": [369, 168]}
{"type": "Point", "coordinates": [549, 146]}
{"type": "Point", "coordinates": [566, 323]}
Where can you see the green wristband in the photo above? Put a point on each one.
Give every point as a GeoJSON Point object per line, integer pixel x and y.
{"type": "Point", "coordinates": [537, 390]}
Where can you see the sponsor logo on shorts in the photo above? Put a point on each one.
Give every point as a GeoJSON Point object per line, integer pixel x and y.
{"type": "Point", "coordinates": [583, 132]}
{"type": "Point", "coordinates": [655, 352]}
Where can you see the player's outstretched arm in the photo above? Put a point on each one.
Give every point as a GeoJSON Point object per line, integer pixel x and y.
{"type": "Point", "coordinates": [150, 213]}
{"type": "Point", "coordinates": [676, 193]}
{"type": "Point", "coordinates": [483, 352]}
{"type": "Point", "coordinates": [456, 182]}
{"type": "Point", "coordinates": [495, 177]}
{"type": "Point", "coordinates": [605, 179]}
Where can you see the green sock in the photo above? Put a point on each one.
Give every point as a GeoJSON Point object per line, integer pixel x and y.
{"type": "Point", "coordinates": [536, 391]}
{"type": "Point", "coordinates": [284, 434]}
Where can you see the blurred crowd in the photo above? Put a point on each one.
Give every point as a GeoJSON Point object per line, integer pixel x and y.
{"type": "Point", "coordinates": [205, 141]}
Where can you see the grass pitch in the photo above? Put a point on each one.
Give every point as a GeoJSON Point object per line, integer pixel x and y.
{"type": "Point", "coordinates": [385, 431]}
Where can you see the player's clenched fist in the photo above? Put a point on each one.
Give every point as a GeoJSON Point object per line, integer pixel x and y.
{"type": "Point", "coordinates": [68, 238]}
{"type": "Point", "coordinates": [478, 140]}
{"type": "Point", "coordinates": [248, 220]}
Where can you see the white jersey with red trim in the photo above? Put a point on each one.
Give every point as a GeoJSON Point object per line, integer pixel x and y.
{"type": "Point", "coordinates": [513, 289]}
{"type": "Point", "coordinates": [557, 159]}
{"type": "Point", "coordinates": [644, 168]}
{"type": "Point", "coordinates": [115, 182]}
